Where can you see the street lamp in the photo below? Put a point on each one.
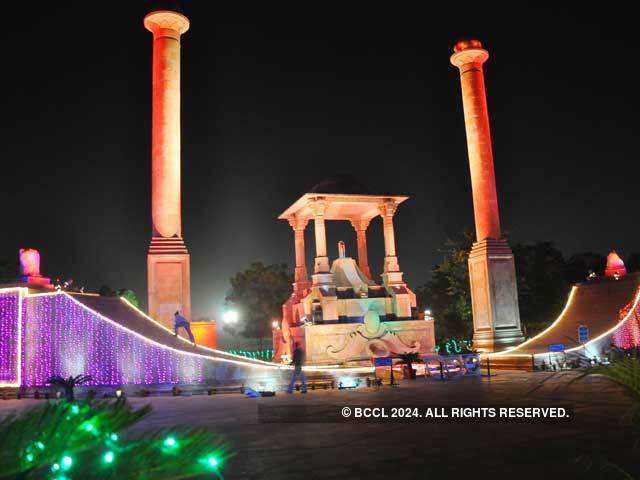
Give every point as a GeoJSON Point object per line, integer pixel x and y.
{"type": "Point", "coordinates": [230, 317]}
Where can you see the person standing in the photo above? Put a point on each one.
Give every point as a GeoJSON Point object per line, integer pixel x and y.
{"type": "Point", "coordinates": [297, 362]}
{"type": "Point", "coordinates": [180, 321]}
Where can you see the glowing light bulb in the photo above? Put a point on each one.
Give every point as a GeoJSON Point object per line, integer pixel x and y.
{"type": "Point", "coordinates": [274, 324]}
{"type": "Point", "coordinates": [29, 457]}
{"type": "Point", "coordinates": [88, 427]}
{"type": "Point", "coordinates": [55, 467]}
{"type": "Point", "coordinates": [170, 442]}
{"type": "Point", "coordinates": [114, 437]}
{"type": "Point", "coordinates": [75, 409]}
{"type": "Point", "coordinates": [67, 461]}
{"type": "Point", "coordinates": [212, 461]}
{"type": "Point", "coordinates": [108, 457]}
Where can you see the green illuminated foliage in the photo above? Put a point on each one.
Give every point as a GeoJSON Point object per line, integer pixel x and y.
{"type": "Point", "coordinates": [78, 440]}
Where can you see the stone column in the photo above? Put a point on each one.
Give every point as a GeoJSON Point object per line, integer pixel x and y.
{"type": "Point", "coordinates": [494, 296]}
{"type": "Point", "coordinates": [299, 225]}
{"type": "Point", "coordinates": [469, 57]}
{"type": "Point", "coordinates": [321, 265]}
{"type": "Point", "coordinates": [360, 226]}
{"type": "Point", "coordinates": [167, 27]}
{"type": "Point", "coordinates": [168, 259]}
{"type": "Point", "coordinates": [387, 210]}
{"type": "Point", "coordinates": [322, 276]}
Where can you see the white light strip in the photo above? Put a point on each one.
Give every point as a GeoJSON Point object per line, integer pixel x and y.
{"type": "Point", "coordinates": [573, 349]}
{"type": "Point", "coordinates": [163, 327]}
{"type": "Point", "coordinates": [610, 331]}
{"type": "Point", "coordinates": [244, 362]}
{"type": "Point", "coordinates": [19, 359]}
{"type": "Point", "coordinates": [545, 331]}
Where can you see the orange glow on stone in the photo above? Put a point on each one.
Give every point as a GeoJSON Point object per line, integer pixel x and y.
{"type": "Point", "coordinates": [468, 57]}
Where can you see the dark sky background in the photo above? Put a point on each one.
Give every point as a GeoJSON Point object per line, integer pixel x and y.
{"type": "Point", "coordinates": [275, 100]}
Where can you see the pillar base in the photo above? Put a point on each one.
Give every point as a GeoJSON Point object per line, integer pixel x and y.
{"type": "Point", "coordinates": [36, 280]}
{"type": "Point", "coordinates": [300, 289]}
{"type": "Point", "coordinates": [391, 264]}
{"type": "Point", "coordinates": [323, 279]}
{"type": "Point", "coordinates": [392, 278]}
{"type": "Point", "coordinates": [321, 265]}
{"type": "Point", "coordinates": [169, 289]}
{"type": "Point", "coordinates": [494, 296]}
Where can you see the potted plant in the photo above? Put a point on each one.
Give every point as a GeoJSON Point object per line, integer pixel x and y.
{"type": "Point", "coordinates": [68, 384]}
{"type": "Point", "coordinates": [408, 359]}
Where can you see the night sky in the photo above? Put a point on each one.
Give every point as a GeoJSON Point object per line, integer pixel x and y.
{"type": "Point", "coordinates": [274, 101]}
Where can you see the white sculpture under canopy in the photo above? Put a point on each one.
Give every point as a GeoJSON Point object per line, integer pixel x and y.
{"type": "Point", "coordinates": [331, 315]}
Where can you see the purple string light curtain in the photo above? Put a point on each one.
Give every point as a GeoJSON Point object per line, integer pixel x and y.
{"type": "Point", "coordinates": [62, 337]}
{"type": "Point", "coordinates": [9, 333]}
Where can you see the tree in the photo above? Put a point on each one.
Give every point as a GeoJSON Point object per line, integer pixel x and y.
{"type": "Point", "coordinates": [579, 266]}
{"type": "Point", "coordinates": [130, 296]}
{"type": "Point", "coordinates": [542, 285]}
{"type": "Point", "coordinates": [126, 293]}
{"type": "Point", "coordinates": [543, 280]}
{"type": "Point", "coordinates": [258, 294]}
{"type": "Point", "coordinates": [448, 293]}
{"type": "Point", "coordinates": [633, 262]}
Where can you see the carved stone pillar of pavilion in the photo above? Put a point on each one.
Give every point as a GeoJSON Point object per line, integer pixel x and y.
{"type": "Point", "coordinates": [360, 226]}
{"type": "Point", "coordinates": [301, 278]}
{"type": "Point", "coordinates": [392, 274]}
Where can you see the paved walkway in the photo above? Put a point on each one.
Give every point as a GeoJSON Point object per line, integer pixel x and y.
{"type": "Point", "coordinates": [412, 450]}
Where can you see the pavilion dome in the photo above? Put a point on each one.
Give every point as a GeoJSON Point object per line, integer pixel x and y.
{"type": "Point", "coordinates": [615, 265]}
{"type": "Point", "coordinates": [340, 184]}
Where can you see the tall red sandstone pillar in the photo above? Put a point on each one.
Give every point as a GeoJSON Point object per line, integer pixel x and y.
{"type": "Point", "coordinates": [494, 295]}
{"type": "Point", "coordinates": [168, 259]}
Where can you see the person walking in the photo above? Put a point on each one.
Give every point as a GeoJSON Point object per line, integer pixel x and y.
{"type": "Point", "coordinates": [297, 362]}
{"type": "Point", "coordinates": [180, 321]}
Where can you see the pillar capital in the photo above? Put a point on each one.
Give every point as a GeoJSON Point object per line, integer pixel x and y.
{"type": "Point", "coordinates": [165, 23]}
{"type": "Point", "coordinates": [360, 224]}
{"type": "Point", "coordinates": [297, 223]}
{"type": "Point", "coordinates": [468, 53]}
{"type": "Point", "coordinates": [318, 206]}
{"type": "Point", "coordinates": [388, 208]}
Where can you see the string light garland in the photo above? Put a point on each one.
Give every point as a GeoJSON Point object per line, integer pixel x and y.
{"type": "Point", "coordinates": [265, 354]}
{"type": "Point", "coordinates": [72, 451]}
{"type": "Point", "coordinates": [627, 335]}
